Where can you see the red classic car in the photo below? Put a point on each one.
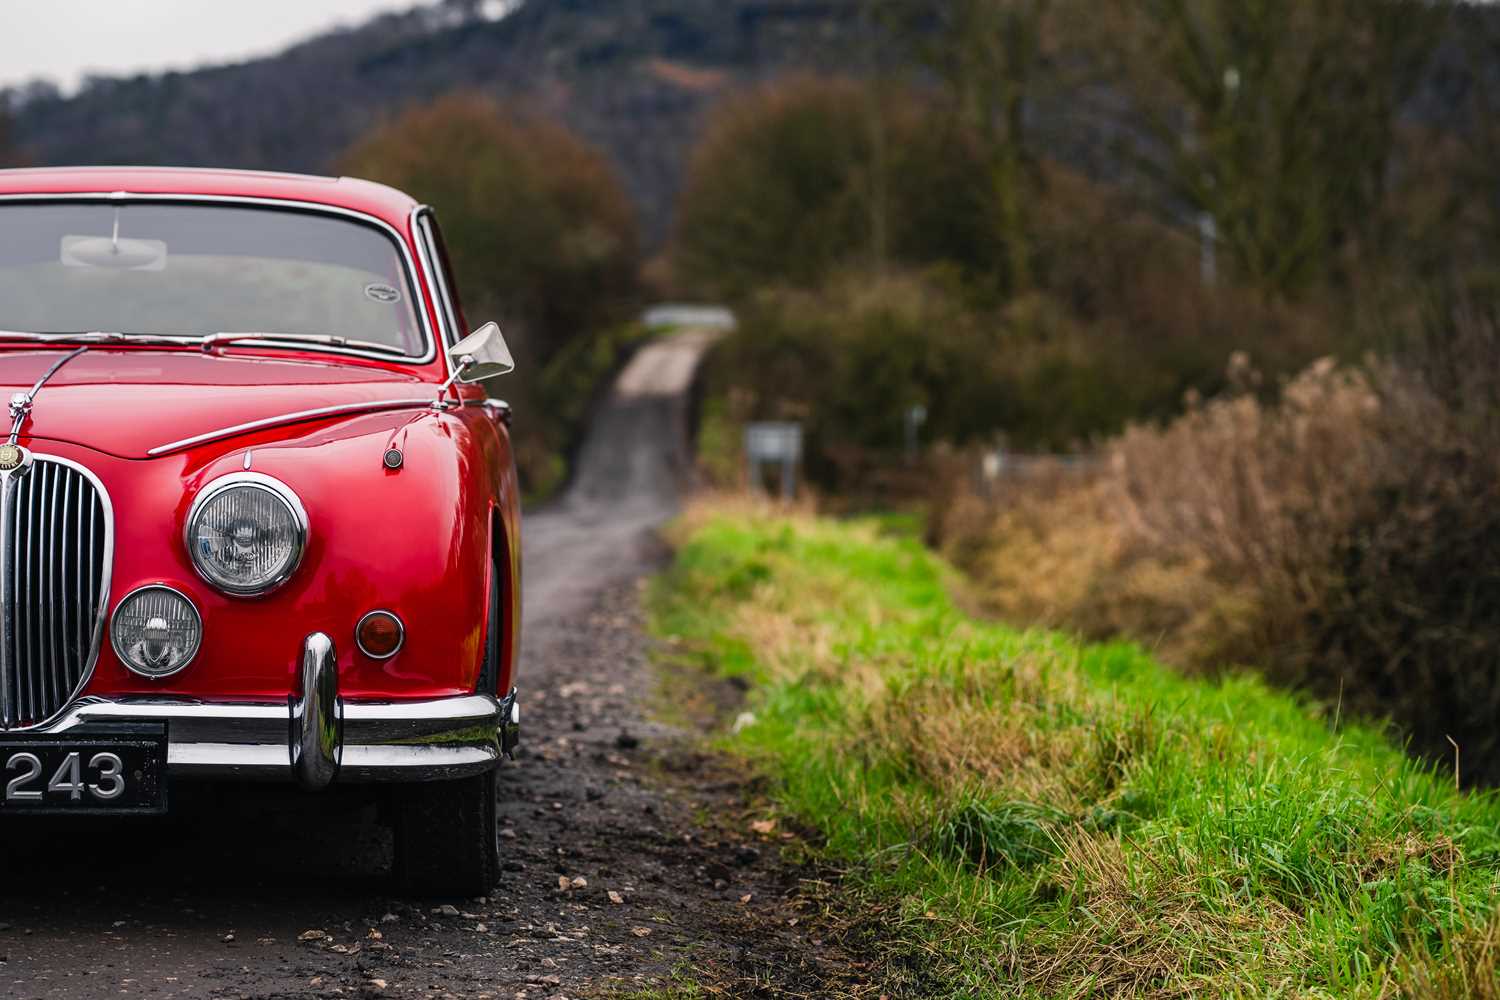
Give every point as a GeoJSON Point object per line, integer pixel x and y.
{"type": "Point", "coordinates": [257, 519]}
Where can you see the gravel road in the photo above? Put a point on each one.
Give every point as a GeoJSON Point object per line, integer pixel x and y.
{"type": "Point", "coordinates": [629, 855]}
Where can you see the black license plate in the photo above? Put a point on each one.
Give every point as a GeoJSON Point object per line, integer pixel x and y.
{"type": "Point", "coordinates": [117, 773]}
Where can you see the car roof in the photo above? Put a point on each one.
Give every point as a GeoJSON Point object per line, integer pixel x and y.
{"type": "Point", "coordinates": [383, 202]}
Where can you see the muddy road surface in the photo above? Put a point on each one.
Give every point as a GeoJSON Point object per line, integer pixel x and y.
{"type": "Point", "coordinates": [626, 861]}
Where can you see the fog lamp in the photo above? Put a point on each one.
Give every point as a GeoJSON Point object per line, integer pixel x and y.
{"type": "Point", "coordinates": [379, 635]}
{"type": "Point", "coordinates": [156, 631]}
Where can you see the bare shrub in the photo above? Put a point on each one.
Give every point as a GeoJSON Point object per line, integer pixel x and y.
{"type": "Point", "coordinates": [1247, 499]}
{"type": "Point", "coordinates": [1064, 558]}
{"type": "Point", "coordinates": [1242, 483]}
{"type": "Point", "coordinates": [1208, 535]}
{"type": "Point", "coordinates": [1409, 621]}
{"type": "Point", "coordinates": [1345, 539]}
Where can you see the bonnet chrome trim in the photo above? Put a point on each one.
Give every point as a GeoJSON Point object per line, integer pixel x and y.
{"type": "Point", "coordinates": [297, 417]}
{"type": "Point", "coordinates": [415, 272]}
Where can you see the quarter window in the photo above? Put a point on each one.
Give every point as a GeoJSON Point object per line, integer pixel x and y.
{"type": "Point", "coordinates": [446, 291]}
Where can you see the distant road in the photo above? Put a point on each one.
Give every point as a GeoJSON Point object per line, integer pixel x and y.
{"type": "Point", "coordinates": [630, 474]}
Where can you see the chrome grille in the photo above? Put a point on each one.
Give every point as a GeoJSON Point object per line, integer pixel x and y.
{"type": "Point", "coordinates": [55, 542]}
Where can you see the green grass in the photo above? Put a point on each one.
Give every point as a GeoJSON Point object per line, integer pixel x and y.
{"type": "Point", "coordinates": [1030, 816]}
{"type": "Point", "coordinates": [719, 446]}
{"type": "Point", "coordinates": [675, 991]}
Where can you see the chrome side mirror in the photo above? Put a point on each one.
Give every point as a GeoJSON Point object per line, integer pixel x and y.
{"type": "Point", "coordinates": [481, 355]}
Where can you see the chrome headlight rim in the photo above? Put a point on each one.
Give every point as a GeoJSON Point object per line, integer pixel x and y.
{"type": "Point", "coordinates": [269, 484]}
{"type": "Point", "coordinates": [125, 661]}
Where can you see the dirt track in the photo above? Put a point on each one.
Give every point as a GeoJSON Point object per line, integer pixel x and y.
{"type": "Point", "coordinates": [250, 893]}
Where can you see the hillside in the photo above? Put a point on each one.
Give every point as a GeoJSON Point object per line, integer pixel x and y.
{"type": "Point", "coordinates": [633, 76]}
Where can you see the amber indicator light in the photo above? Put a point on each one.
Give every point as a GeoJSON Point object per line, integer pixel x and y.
{"type": "Point", "coordinates": [379, 634]}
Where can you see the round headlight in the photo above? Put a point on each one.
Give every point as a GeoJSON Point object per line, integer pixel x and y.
{"type": "Point", "coordinates": [156, 631]}
{"type": "Point", "coordinates": [246, 533]}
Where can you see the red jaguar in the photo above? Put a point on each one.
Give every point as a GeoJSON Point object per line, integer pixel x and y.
{"type": "Point", "coordinates": [257, 518]}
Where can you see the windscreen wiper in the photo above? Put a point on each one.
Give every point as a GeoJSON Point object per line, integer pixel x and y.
{"type": "Point", "coordinates": [323, 340]}
{"type": "Point", "coordinates": [92, 337]}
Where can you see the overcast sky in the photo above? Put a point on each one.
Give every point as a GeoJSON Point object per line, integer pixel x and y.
{"type": "Point", "coordinates": [65, 39]}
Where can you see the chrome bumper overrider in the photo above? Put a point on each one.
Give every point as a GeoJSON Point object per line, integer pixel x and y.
{"type": "Point", "coordinates": [318, 737]}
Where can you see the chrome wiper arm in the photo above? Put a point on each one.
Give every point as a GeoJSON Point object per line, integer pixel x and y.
{"type": "Point", "coordinates": [21, 402]}
{"type": "Point", "coordinates": [115, 337]}
{"type": "Point", "coordinates": [48, 338]}
{"type": "Point", "coordinates": [216, 339]}
{"type": "Point", "coordinates": [92, 337]}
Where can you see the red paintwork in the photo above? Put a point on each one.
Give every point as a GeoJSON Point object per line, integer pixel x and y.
{"type": "Point", "coordinates": [343, 192]}
{"type": "Point", "coordinates": [414, 541]}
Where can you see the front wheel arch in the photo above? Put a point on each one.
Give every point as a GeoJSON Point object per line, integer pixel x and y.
{"type": "Point", "coordinates": [498, 624]}
{"type": "Point", "coordinates": [489, 672]}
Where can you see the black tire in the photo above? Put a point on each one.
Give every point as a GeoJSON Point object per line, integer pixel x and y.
{"type": "Point", "coordinates": [447, 838]}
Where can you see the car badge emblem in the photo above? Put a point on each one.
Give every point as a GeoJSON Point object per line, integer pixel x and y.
{"type": "Point", "coordinates": [13, 457]}
{"type": "Point", "coordinates": [382, 293]}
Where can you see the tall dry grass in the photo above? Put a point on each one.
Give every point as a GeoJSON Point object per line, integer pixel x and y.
{"type": "Point", "coordinates": [1248, 486]}
{"type": "Point", "coordinates": [1344, 538]}
{"type": "Point", "coordinates": [1467, 968]}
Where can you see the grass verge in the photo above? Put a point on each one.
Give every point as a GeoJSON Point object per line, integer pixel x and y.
{"type": "Point", "coordinates": [1033, 816]}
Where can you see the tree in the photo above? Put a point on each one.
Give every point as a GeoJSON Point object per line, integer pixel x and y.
{"type": "Point", "coordinates": [10, 156]}
{"type": "Point", "coordinates": [807, 177]}
{"type": "Point", "coordinates": [773, 191]}
{"type": "Point", "coordinates": [1276, 119]}
{"type": "Point", "coordinates": [992, 54]}
{"type": "Point", "coordinates": [1467, 216]}
{"type": "Point", "coordinates": [537, 222]}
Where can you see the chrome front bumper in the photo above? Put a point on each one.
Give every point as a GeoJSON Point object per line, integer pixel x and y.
{"type": "Point", "coordinates": [318, 737]}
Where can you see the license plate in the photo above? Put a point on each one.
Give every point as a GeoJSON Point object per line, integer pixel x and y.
{"type": "Point", "coordinates": [83, 774]}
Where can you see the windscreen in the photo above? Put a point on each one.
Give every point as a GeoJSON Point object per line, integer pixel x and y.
{"type": "Point", "coordinates": [193, 270]}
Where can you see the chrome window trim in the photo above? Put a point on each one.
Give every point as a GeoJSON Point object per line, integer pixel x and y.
{"type": "Point", "coordinates": [400, 629]}
{"type": "Point", "coordinates": [271, 485]}
{"type": "Point", "coordinates": [125, 660]}
{"type": "Point", "coordinates": [414, 273]}
{"type": "Point", "coordinates": [102, 611]}
{"type": "Point", "coordinates": [422, 219]}
{"type": "Point", "coordinates": [281, 419]}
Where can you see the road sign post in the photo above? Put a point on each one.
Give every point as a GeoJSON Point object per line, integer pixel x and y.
{"type": "Point", "coordinates": [774, 444]}
{"type": "Point", "coordinates": [914, 418]}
